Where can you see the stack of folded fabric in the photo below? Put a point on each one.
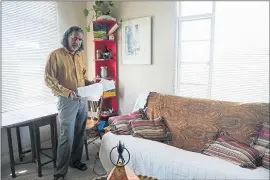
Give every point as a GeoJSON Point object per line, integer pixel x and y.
{"type": "Point", "coordinates": [138, 125]}
{"type": "Point", "coordinates": [120, 124]}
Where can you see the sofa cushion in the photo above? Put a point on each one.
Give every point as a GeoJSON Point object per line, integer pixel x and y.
{"type": "Point", "coordinates": [228, 149]}
{"type": "Point", "coordinates": [191, 119]}
{"type": "Point", "coordinates": [153, 129]}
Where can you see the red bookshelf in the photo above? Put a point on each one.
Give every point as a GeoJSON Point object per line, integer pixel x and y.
{"type": "Point", "coordinates": [110, 99]}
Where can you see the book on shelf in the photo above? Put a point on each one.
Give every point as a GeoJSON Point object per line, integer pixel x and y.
{"type": "Point", "coordinates": [100, 30]}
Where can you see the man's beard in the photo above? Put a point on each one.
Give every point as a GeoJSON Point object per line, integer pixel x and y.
{"type": "Point", "coordinates": [75, 48]}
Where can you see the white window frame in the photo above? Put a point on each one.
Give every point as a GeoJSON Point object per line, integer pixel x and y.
{"type": "Point", "coordinates": [178, 63]}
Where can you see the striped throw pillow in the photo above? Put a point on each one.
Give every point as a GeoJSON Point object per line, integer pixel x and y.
{"type": "Point", "coordinates": [151, 129]}
{"type": "Point", "coordinates": [261, 142]}
{"type": "Point", "coordinates": [228, 149]}
{"type": "Point", "coordinates": [266, 159]}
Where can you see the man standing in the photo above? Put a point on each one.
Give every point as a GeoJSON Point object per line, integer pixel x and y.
{"type": "Point", "coordinates": [64, 73]}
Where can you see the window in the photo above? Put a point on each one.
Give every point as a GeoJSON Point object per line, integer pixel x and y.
{"type": "Point", "coordinates": [223, 51]}
{"type": "Point", "coordinates": [29, 34]}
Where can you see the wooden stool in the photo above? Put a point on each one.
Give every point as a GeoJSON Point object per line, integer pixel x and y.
{"type": "Point", "coordinates": [20, 151]}
{"type": "Point", "coordinates": [37, 123]}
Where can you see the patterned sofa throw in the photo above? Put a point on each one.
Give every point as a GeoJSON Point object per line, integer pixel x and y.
{"type": "Point", "coordinates": [190, 120]}
{"type": "Point", "coordinates": [151, 129]}
{"type": "Point", "coordinates": [226, 148]}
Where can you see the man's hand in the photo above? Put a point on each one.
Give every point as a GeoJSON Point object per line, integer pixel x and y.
{"type": "Point", "coordinates": [73, 95]}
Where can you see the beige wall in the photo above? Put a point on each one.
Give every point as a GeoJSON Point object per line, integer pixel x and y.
{"type": "Point", "coordinates": [69, 14]}
{"type": "Point", "coordinates": [134, 79]}
{"type": "Point", "coordinates": [90, 45]}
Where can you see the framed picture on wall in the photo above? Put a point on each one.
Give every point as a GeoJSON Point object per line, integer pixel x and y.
{"type": "Point", "coordinates": [136, 41]}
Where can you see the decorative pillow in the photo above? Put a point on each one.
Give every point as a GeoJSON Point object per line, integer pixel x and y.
{"type": "Point", "coordinates": [150, 129]}
{"type": "Point", "coordinates": [266, 159]}
{"type": "Point", "coordinates": [261, 142]}
{"type": "Point", "coordinates": [265, 155]}
{"type": "Point", "coordinates": [238, 153]}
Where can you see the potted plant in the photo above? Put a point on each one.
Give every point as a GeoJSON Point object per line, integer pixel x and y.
{"type": "Point", "coordinates": [100, 8]}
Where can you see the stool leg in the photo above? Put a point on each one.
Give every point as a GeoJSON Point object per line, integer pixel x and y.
{"type": "Point", "coordinates": [31, 132]}
{"type": "Point", "coordinates": [53, 141]}
{"type": "Point", "coordinates": [86, 148]}
{"type": "Point", "coordinates": [11, 156]}
{"type": "Point", "coordinates": [56, 137]}
{"type": "Point", "coordinates": [19, 143]}
{"type": "Point", "coordinates": [38, 149]}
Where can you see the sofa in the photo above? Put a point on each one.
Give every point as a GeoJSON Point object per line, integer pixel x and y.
{"type": "Point", "coordinates": [193, 123]}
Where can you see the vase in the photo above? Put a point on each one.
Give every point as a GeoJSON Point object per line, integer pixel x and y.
{"type": "Point", "coordinates": [103, 72]}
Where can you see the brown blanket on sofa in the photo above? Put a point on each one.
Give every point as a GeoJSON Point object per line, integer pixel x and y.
{"type": "Point", "coordinates": [194, 121]}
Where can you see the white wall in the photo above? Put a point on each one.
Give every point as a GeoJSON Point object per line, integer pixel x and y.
{"type": "Point", "coordinates": [69, 14]}
{"type": "Point", "coordinates": [159, 76]}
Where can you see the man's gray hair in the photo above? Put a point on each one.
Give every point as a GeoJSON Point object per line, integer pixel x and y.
{"type": "Point", "coordinates": [68, 32]}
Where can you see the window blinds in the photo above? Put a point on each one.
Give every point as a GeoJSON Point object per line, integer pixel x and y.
{"type": "Point", "coordinates": [241, 54]}
{"type": "Point", "coordinates": [29, 34]}
{"type": "Point", "coordinates": [223, 51]}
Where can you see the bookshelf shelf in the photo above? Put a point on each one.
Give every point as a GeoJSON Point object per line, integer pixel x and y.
{"type": "Point", "coordinates": [104, 21]}
{"type": "Point", "coordinates": [103, 40]}
{"type": "Point", "coordinates": [104, 59]}
{"type": "Point", "coordinates": [108, 78]}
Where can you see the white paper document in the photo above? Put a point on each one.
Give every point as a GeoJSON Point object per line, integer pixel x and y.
{"type": "Point", "coordinates": [92, 92]}
{"type": "Point", "coordinates": [107, 84]}
{"type": "Point", "coordinates": [95, 91]}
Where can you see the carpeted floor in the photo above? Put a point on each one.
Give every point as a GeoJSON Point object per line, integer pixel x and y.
{"type": "Point", "coordinates": [28, 171]}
